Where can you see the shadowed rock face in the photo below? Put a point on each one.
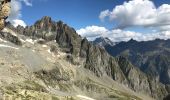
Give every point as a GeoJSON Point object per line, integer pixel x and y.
{"type": "Point", "coordinates": [68, 38]}
{"type": "Point", "coordinates": [10, 37]}
{"type": "Point", "coordinates": [140, 81]}
{"type": "Point", "coordinates": [167, 97]}
{"type": "Point", "coordinates": [95, 58]}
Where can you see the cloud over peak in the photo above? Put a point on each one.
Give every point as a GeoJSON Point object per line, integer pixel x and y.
{"type": "Point", "coordinates": [117, 35]}
{"type": "Point", "coordinates": [92, 31]}
{"type": "Point", "coordinates": [139, 13]}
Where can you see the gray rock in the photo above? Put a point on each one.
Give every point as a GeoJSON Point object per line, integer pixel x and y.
{"type": "Point", "coordinates": [10, 37]}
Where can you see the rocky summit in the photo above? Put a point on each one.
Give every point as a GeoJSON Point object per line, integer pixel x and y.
{"type": "Point", "coordinates": [103, 41]}
{"type": "Point", "coordinates": [50, 61]}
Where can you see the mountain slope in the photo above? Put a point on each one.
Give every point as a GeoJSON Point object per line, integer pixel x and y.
{"type": "Point", "coordinates": [55, 62]}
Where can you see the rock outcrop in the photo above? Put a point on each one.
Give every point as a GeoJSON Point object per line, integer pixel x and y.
{"type": "Point", "coordinates": [9, 37]}
{"type": "Point", "coordinates": [4, 12]}
{"type": "Point", "coordinates": [167, 97]}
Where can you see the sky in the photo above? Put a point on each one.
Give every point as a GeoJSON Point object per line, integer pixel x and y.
{"type": "Point", "coordinates": [119, 20]}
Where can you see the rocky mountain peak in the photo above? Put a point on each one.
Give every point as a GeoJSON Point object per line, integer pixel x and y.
{"type": "Point", "coordinates": [45, 19]}
{"type": "Point", "coordinates": [103, 41]}
{"type": "Point", "coordinates": [60, 23]}
{"type": "Point", "coordinates": [132, 41]}
{"type": "Point", "coordinates": [45, 23]}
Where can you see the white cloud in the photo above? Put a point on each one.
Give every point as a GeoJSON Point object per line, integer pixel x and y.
{"type": "Point", "coordinates": [139, 13]}
{"type": "Point", "coordinates": [17, 22]}
{"type": "Point", "coordinates": [27, 2]}
{"type": "Point", "coordinates": [117, 35]}
{"type": "Point", "coordinates": [15, 15]}
{"type": "Point", "coordinates": [104, 14]}
{"type": "Point", "coordinates": [92, 31]}
{"type": "Point", "coordinates": [15, 10]}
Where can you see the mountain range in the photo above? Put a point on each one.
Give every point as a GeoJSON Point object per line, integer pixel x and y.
{"type": "Point", "coordinates": [151, 57]}
{"type": "Point", "coordinates": [50, 61]}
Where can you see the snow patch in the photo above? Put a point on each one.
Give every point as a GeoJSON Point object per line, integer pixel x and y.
{"type": "Point", "coordinates": [1, 40]}
{"type": "Point", "coordinates": [44, 46]}
{"type": "Point", "coordinates": [30, 41]}
{"type": "Point", "coordinates": [49, 51]}
{"type": "Point", "coordinates": [49, 59]}
{"type": "Point", "coordinates": [22, 40]}
{"type": "Point", "coordinates": [58, 55]}
{"type": "Point", "coordinates": [41, 39]}
{"type": "Point", "coordinates": [7, 46]}
{"type": "Point", "coordinates": [9, 31]}
{"type": "Point", "coordinates": [84, 97]}
{"type": "Point", "coordinates": [33, 50]}
{"type": "Point", "coordinates": [35, 41]}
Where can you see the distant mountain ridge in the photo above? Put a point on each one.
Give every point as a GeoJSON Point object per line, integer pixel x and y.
{"type": "Point", "coordinates": [103, 41]}
{"type": "Point", "coordinates": [152, 57]}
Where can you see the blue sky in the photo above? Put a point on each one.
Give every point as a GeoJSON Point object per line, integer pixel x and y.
{"type": "Point", "coordinates": [77, 13]}
{"type": "Point", "coordinates": [84, 14]}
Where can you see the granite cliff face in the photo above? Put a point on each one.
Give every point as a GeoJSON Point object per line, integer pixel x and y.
{"type": "Point", "coordinates": [96, 71]}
